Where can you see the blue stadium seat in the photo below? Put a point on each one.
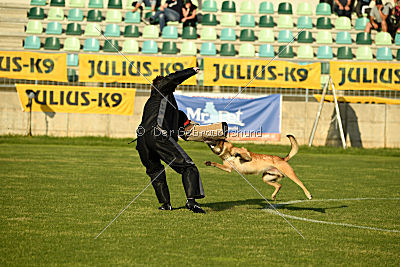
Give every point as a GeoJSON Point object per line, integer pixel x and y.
{"type": "Point", "coordinates": [72, 60]}
{"type": "Point", "coordinates": [208, 49]}
{"type": "Point", "coordinates": [324, 52]}
{"type": "Point", "coordinates": [384, 53]}
{"type": "Point", "coordinates": [266, 50]}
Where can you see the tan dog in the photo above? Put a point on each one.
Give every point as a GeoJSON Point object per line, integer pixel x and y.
{"type": "Point", "coordinates": [272, 168]}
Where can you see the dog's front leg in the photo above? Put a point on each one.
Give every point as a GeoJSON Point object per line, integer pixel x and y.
{"type": "Point", "coordinates": [219, 166]}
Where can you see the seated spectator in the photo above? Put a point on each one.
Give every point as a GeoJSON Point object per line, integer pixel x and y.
{"type": "Point", "coordinates": [360, 5]}
{"type": "Point", "coordinates": [138, 5]}
{"type": "Point", "coordinates": [396, 14]}
{"type": "Point", "coordinates": [170, 11]}
{"type": "Point", "coordinates": [343, 8]}
{"type": "Point", "coordinates": [189, 14]}
{"type": "Point", "coordinates": [378, 17]}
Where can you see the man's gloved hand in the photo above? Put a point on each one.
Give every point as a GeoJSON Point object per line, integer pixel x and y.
{"type": "Point", "coordinates": [196, 69]}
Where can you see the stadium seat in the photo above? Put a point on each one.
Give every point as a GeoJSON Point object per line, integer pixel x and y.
{"type": "Point", "coordinates": [227, 50]}
{"type": "Point", "coordinates": [228, 6]}
{"type": "Point", "coordinates": [344, 52]}
{"type": "Point", "coordinates": [38, 2]}
{"type": "Point", "coordinates": [92, 29]}
{"type": "Point", "coordinates": [131, 31]}
{"type": "Point", "coordinates": [247, 50]}
{"type": "Point", "coordinates": [150, 32]}
{"type": "Point", "coordinates": [189, 48]}
{"type": "Point", "coordinates": [169, 32]}
{"type": "Point", "coordinates": [32, 42]}
{"type": "Point", "coordinates": [113, 30]}
{"type": "Point", "coordinates": [285, 8]}
{"type": "Point", "coordinates": [304, 22]}
{"type": "Point", "coordinates": [117, 4]}
{"type": "Point", "coordinates": [55, 13]}
{"type": "Point", "coordinates": [364, 53]}
{"type": "Point", "coordinates": [36, 13]}
{"type": "Point", "coordinates": [305, 37]}
{"type": "Point", "coordinates": [57, 3]}
{"type": "Point", "coordinates": [34, 27]}
{"type": "Point", "coordinates": [94, 15]}
{"type": "Point", "coordinates": [384, 53]}
{"type": "Point", "coordinates": [266, 36]}
{"type": "Point", "coordinates": [208, 49]}
{"type": "Point", "coordinates": [324, 23]}
{"type": "Point", "coordinates": [383, 38]}
{"type": "Point", "coordinates": [324, 37]}
{"type": "Point", "coordinates": [209, 19]}
{"type": "Point", "coordinates": [201, 64]}
{"type": "Point", "coordinates": [111, 46]}
{"type": "Point", "coordinates": [304, 9]}
{"type": "Point", "coordinates": [361, 23]}
{"type": "Point", "coordinates": [77, 3]}
{"type": "Point", "coordinates": [343, 23]}
{"type": "Point", "coordinates": [247, 21]}
{"type": "Point", "coordinates": [397, 39]}
{"type": "Point", "coordinates": [228, 34]}
{"type": "Point", "coordinates": [73, 29]}
{"type": "Point", "coordinates": [247, 35]}
{"type": "Point", "coordinates": [72, 76]}
{"type": "Point", "coordinates": [324, 52]}
{"type": "Point", "coordinates": [325, 69]}
{"type": "Point", "coordinates": [285, 22]}
{"type": "Point", "coordinates": [305, 52]}
{"type": "Point", "coordinates": [323, 9]}
{"type": "Point", "coordinates": [95, 4]}
{"type": "Point", "coordinates": [54, 27]}
{"type": "Point", "coordinates": [247, 7]}
{"type": "Point", "coordinates": [266, 8]}
{"type": "Point", "coordinates": [208, 34]}
{"type": "Point", "coordinates": [363, 38]}
{"type": "Point", "coordinates": [113, 16]}
{"type": "Point", "coordinates": [169, 48]}
{"type": "Point", "coordinates": [209, 6]}
{"type": "Point", "coordinates": [130, 46]}
{"type": "Point", "coordinates": [72, 60]}
{"type": "Point", "coordinates": [75, 14]}
{"type": "Point", "coordinates": [266, 21]}
{"type": "Point", "coordinates": [72, 44]}
{"type": "Point", "coordinates": [91, 45]}
{"type": "Point", "coordinates": [343, 38]}
{"type": "Point", "coordinates": [228, 20]}
{"type": "Point", "coordinates": [285, 36]}
{"type": "Point", "coordinates": [52, 43]}
{"type": "Point", "coordinates": [266, 50]}
{"type": "Point", "coordinates": [398, 55]}
{"type": "Point", "coordinates": [131, 17]}
{"type": "Point", "coordinates": [285, 51]}
{"type": "Point", "coordinates": [189, 33]}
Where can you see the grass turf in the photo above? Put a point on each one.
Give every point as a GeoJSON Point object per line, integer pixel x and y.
{"type": "Point", "coordinates": [57, 194]}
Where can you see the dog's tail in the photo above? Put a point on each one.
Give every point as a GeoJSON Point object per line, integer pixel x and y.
{"type": "Point", "coordinates": [294, 149]}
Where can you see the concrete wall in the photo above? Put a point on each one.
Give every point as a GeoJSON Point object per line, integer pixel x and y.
{"type": "Point", "coordinates": [366, 125]}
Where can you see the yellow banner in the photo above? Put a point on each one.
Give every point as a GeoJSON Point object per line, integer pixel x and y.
{"type": "Point", "coordinates": [360, 99]}
{"type": "Point", "coordinates": [77, 99]}
{"type": "Point", "coordinates": [132, 69]}
{"type": "Point", "coordinates": [365, 75]}
{"type": "Point", "coordinates": [33, 66]}
{"type": "Point", "coordinates": [256, 73]}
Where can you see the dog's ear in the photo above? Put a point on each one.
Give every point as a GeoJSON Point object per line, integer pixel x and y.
{"type": "Point", "coordinates": [243, 153]}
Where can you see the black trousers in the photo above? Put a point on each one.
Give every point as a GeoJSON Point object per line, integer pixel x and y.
{"type": "Point", "coordinates": [152, 149]}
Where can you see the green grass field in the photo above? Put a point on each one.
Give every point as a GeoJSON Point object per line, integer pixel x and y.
{"type": "Point", "coordinates": [57, 194]}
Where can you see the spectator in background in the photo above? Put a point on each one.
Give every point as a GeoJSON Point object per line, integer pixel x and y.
{"type": "Point", "coordinates": [138, 5]}
{"type": "Point", "coordinates": [360, 5]}
{"type": "Point", "coordinates": [378, 17]}
{"type": "Point", "coordinates": [189, 14]}
{"type": "Point", "coordinates": [396, 14]}
{"type": "Point", "coordinates": [343, 8]}
{"type": "Point", "coordinates": [170, 11]}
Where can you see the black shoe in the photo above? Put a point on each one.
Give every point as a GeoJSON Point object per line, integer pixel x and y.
{"type": "Point", "coordinates": [194, 206]}
{"type": "Point", "coordinates": [165, 206]}
{"type": "Point", "coordinates": [146, 21]}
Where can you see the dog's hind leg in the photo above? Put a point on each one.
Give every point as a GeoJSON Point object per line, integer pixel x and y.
{"type": "Point", "coordinates": [271, 180]}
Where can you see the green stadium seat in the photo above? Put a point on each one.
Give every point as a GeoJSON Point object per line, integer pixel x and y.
{"type": "Point", "coordinates": [113, 30]}
{"type": "Point", "coordinates": [77, 3]}
{"type": "Point", "coordinates": [34, 27]}
{"type": "Point", "coordinates": [189, 33]}
{"type": "Point", "coordinates": [57, 3]}
{"type": "Point", "coordinates": [266, 21]}
{"type": "Point", "coordinates": [150, 47]}
{"type": "Point", "coordinates": [72, 60]}
{"type": "Point", "coordinates": [148, 15]}
{"type": "Point", "coordinates": [247, 50]}
{"type": "Point", "coordinates": [208, 34]}
{"type": "Point", "coordinates": [228, 6]}
{"type": "Point", "coordinates": [323, 9]}
{"type": "Point", "coordinates": [92, 29]}
{"type": "Point", "coordinates": [247, 35]}
{"type": "Point", "coordinates": [247, 7]}
{"type": "Point", "coordinates": [209, 19]}
{"type": "Point", "coordinates": [305, 37]}
{"type": "Point", "coordinates": [113, 16]}
{"type": "Point", "coordinates": [131, 17]}
{"type": "Point", "coordinates": [285, 36]}
{"type": "Point", "coordinates": [397, 39]}
{"type": "Point", "coordinates": [398, 55]}
{"type": "Point", "coordinates": [247, 21]}
{"type": "Point", "coordinates": [130, 46]}
{"type": "Point", "coordinates": [131, 31]}
{"type": "Point", "coordinates": [38, 2]}
{"type": "Point", "coordinates": [305, 52]}
{"type": "Point", "coordinates": [91, 45]}
{"type": "Point", "coordinates": [117, 4]}
{"type": "Point", "coordinates": [343, 23]}
{"type": "Point", "coordinates": [75, 15]}
{"type": "Point", "coordinates": [304, 9]}
{"type": "Point", "coordinates": [304, 22]}
{"type": "Point", "coordinates": [363, 38]}
{"type": "Point", "coordinates": [55, 13]}
{"type": "Point", "coordinates": [266, 50]}
{"type": "Point", "coordinates": [343, 38]}
{"type": "Point", "coordinates": [285, 8]}
{"type": "Point", "coordinates": [169, 48]}
{"type": "Point", "coordinates": [324, 23]}
{"type": "Point", "coordinates": [72, 76]}
{"type": "Point", "coordinates": [324, 52]}
{"type": "Point", "coordinates": [266, 8]}
{"type": "Point", "coordinates": [384, 53]}
{"type": "Point", "coordinates": [52, 43]}
{"type": "Point", "coordinates": [32, 42]}
{"type": "Point", "coordinates": [266, 36]}
{"type": "Point", "coordinates": [285, 22]}
{"type": "Point", "coordinates": [72, 44]}
{"type": "Point", "coordinates": [209, 6]}
{"type": "Point", "coordinates": [201, 64]}
{"type": "Point", "coordinates": [344, 52]}
{"type": "Point", "coordinates": [95, 4]}
{"type": "Point", "coordinates": [150, 32]}
{"type": "Point", "coordinates": [325, 69]}
{"type": "Point", "coordinates": [54, 27]}
{"type": "Point", "coordinates": [228, 20]}
{"type": "Point", "coordinates": [228, 34]}
{"type": "Point", "coordinates": [208, 49]}
{"type": "Point", "coordinates": [324, 37]}
{"type": "Point", "coordinates": [361, 23]}
{"type": "Point", "coordinates": [170, 32]}
{"type": "Point", "coordinates": [73, 29]}
{"type": "Point", "coordinates": [111, 46]}
{"type": "Point", "coordinates": [285, 51]}
{"type": "Point", "coordinates": [36, 13]}
{"type": "Point", "coordinates": [227, 50]}
{"type": "Point", "coordinates": [383, 38]}
{"type": "Point", "coordinates": [189, 48]}
{"type": "Point", "coordinates": [94, 15]}
{"type": "Point", "coordinates": [364, 53]}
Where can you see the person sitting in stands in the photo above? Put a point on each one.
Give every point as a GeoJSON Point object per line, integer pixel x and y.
{"type": "Point", "coordinates": [170, 11]}
{"type": "Point", "coordinates": [138, 5]}
{"type": "Point", "coordinates": [377, 17]}
{"type": "Point", "coordinates": [189, 14]}
{"type": "Point", "coordinates": [343, 8]}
